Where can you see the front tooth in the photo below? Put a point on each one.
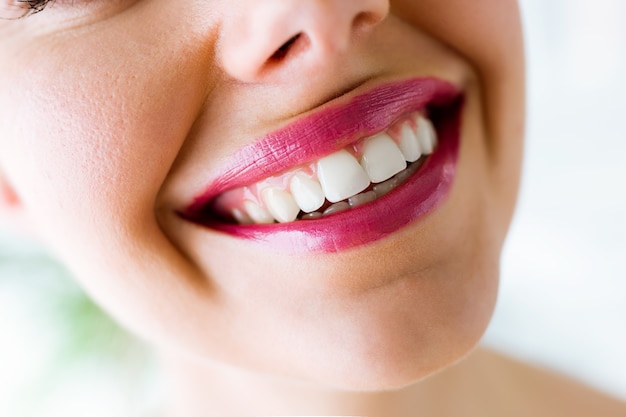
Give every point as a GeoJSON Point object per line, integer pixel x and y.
{"type": "Point", "coordinates": [426, 134]}
{"type": "Point", "coordinates": [341, 176]}
{"type": "Point", "coordinates": [257, 213]}
{"type": "Point", "coordinates": [241, 216]}
{"type": "Point", "coordinates": [307, 193]}
{"type": "Point", "coordinates": [409, 144]}
{"type": "Point", "coordinates": [280, 204]}
{"type": "Point", "coordinates": [381, 158]}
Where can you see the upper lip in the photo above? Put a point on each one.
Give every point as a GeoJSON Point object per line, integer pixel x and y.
{"type": "Point", "coordinates": [341, 122]}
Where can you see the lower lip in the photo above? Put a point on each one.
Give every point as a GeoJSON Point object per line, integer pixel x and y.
{"type": "Point", "coordinates": [420, 195]}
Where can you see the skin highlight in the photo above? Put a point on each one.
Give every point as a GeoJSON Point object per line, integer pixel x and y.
{"type": "Point", "coordinates": [113, 116]}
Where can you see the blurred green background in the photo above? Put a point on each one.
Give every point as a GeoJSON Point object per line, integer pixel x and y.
{"type": "Point", "coordinates": [563, 295]}
{"type": "Point", "coordinates": [60, 354]}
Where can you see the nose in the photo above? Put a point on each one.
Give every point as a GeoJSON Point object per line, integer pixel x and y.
{"type": "Point", "coordinates": [269, 37]}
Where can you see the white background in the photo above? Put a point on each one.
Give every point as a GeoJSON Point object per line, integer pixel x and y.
{"type": "Point", "coordinates": [563, 292]}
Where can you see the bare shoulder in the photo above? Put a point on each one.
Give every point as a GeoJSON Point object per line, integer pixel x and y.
{"type": "Point", "coordinates": [523, 389]}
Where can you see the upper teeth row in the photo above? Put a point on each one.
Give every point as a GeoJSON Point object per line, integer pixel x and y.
{"type": "Point", "coordinates": [335, 177]}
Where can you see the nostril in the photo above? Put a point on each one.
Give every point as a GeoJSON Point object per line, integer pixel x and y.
{"type": "Point", "coordinates": [364, 20]}
{"type": "Point", "coordinates": [282, 52]}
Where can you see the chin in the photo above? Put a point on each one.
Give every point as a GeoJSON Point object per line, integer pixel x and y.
{"type": "Point", "coordinates": [400, 333]}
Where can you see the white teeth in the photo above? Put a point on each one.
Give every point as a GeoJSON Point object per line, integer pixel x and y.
{"type": "Point", "coordinates": [426, 134]}
{"type": "Point", "coordinates": [280, 204]}
{"type": "Point", "coordinates": [382, 158]}
{"type": "Point", "coordinates": [404, 175]}
{"type": "Point", "coordinates": [409, 144]}
{"type": "Point", "coordinates": [341, 176]}
{"type": "Point", "coordinates": [307, 193]}
{"type": "Point", "coordinates": [241, 216]}
{"type": "Point", "coordinates": [257, 213]}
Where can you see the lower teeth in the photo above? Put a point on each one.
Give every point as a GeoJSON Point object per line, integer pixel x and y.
{"type": "Point", "coordinates": [362, 198]}
{"type": "Point", "coordinates": [373, 193]}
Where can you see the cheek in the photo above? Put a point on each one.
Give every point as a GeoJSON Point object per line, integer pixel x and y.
{"type": "Point", "coordinates": [72, 154]}
{"type": "Point", "coordinates": [89, 131]}
{"type": "Point", "coordinates": [488, 34]}
{"type": "Point", "coordinates": [89, 142]}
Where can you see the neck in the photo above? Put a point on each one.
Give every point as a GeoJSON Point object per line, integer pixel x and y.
{"type": "Point", "coordinates": [202, 389]}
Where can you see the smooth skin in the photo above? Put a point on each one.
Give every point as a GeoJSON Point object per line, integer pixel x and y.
{"type": "Point", "coordinates": [113, 114]}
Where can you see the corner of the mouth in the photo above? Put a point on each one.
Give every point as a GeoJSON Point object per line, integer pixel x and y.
{"type": "Point", "coordinates": [196, 211]}
{"type": "Point", "coordinates": [199, 208]}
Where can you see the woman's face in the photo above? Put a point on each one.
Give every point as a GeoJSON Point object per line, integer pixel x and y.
{"type": "Point", "coordinates": [123, 123]}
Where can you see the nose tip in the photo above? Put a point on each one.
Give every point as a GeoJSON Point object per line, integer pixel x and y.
{"type": "Point", "coordinates": [269, 36]}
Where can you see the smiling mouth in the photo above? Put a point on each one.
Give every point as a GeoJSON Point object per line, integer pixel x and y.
{"type": "Point", "coordinates": [344, 176]}
{"type": "Point", "coordinates": [355, 175]}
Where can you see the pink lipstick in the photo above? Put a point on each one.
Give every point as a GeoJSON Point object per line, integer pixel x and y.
{"type": "Point", "coordinates": [328, 131]}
